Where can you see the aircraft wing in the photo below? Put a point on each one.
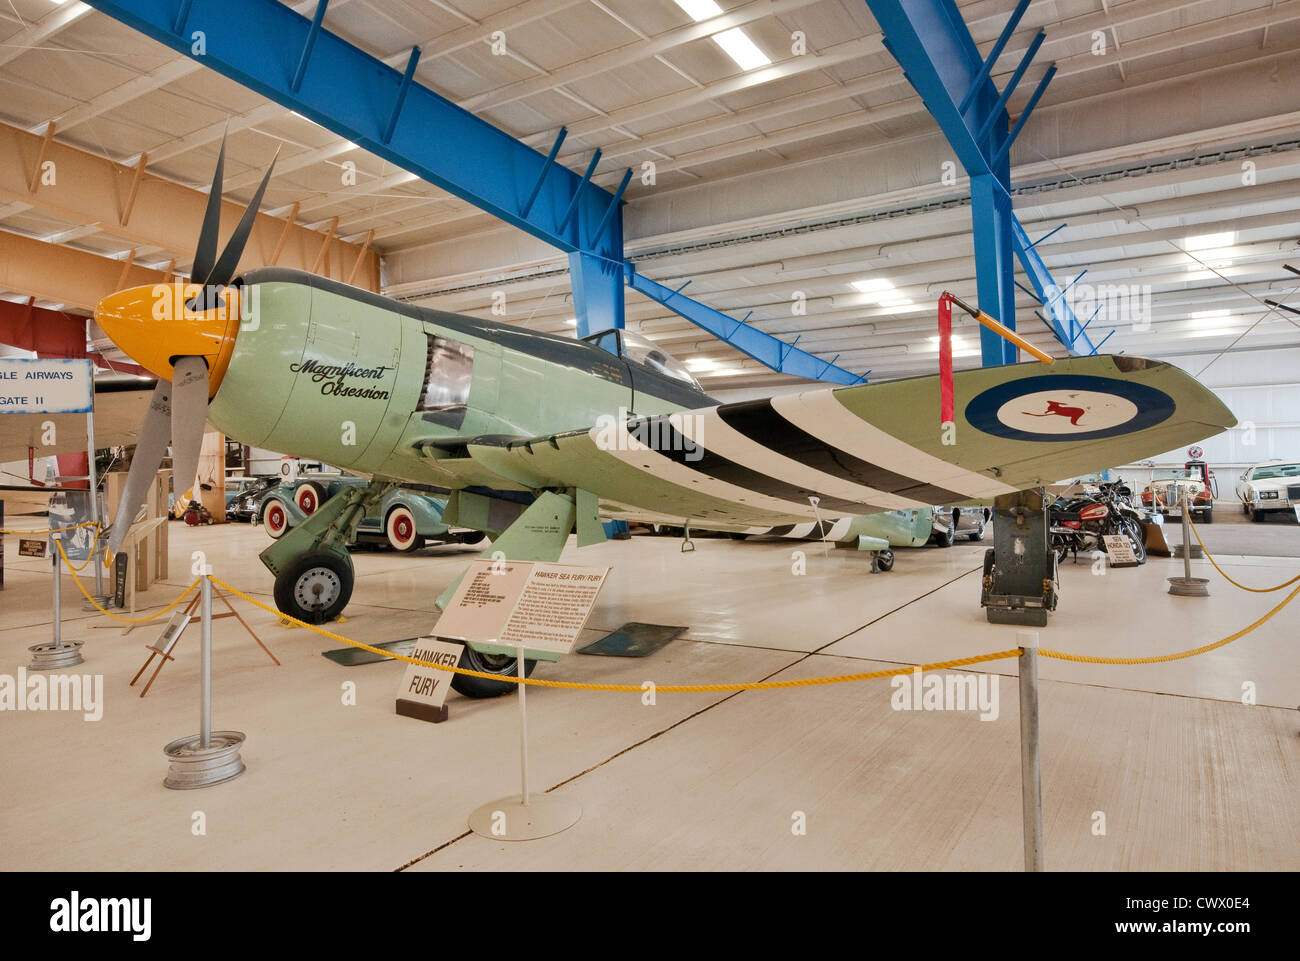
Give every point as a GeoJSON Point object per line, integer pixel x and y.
{"type": "Point", "coordinates": [871, 448]}
{"type": "Point", "coordinates": [119, 412]}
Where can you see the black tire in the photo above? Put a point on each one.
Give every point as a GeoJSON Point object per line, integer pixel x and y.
{"type": "Point", "coordinates": [1061, 547]}
{"type": "Point", "coordinates": [496, 664]}
{"type": "Point", "coordinates": [1135, 534]}
{"type": "Point", "coordinates": [885, 560]}
{"type": "Point", "coordinates": [470, 537]}
{"type": "Point", "coordinates": [315, 587]}
{"type": "Point", "coordinates": [1208, 516]}
{"type": "Point", "coordinates": [943, 538]}
{"type": "Point", "coordinates": [1256, 516]}
{"type": "Point", "coordinates": [978, 533]}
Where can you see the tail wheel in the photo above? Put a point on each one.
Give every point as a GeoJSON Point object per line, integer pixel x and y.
{"type": "Point", "coordinates": [275, 519]}
{"type": "Point", "coordinates": [491, 663]}
{"type": "Point", "coordinates": [400, 528]}
{"type": "Point", "coordinates": [308, 497]}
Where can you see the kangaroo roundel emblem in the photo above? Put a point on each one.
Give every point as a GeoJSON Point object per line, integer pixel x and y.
{"type": "Point", "coordinates": [1067, 407]}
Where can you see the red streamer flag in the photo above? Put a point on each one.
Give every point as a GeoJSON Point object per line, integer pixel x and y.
{"type": "Point", "coordinates": [945, 359]}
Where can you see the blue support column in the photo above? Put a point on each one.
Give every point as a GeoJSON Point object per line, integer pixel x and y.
{"type": "Point", "coordinates": [597, 293]}
{"type": "Point", "coordinates": [935, 49]}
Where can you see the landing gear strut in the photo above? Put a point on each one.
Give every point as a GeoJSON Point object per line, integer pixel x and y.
{"type": "Point", "coordinates": [312, 568]}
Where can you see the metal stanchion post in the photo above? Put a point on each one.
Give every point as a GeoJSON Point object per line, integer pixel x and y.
{"type": "Point", "coordinates": [94, 507]}
{"type": "Point", "coordinates": [211, 757]}
{"type": "Point", "coordinates": [522, 817]}
{"type": "Point", "coordinates": [48, 657]}
{"type": "Point", "coordinates": [205, 666]}
{"type": "Point", "coordinates": [523, 727]}
{"type": "Point", "coordinates": [1031, 786]}
{"type": "Point", "coordinates": [1187, 585]}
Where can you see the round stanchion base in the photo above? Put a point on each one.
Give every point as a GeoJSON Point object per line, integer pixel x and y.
{"type": "Point", "coordinates": [1189, 586]}
{"type": "Point", "coordinates": [51, 657]}
{"type": "Point", "coordinates": [105, 600]}
{"type": "Point", "coordinates": [193, 766]}
{"type": "Point", "coordinates": [1196, 555]}
{"type": "Point", "coordinates": [509, 820]}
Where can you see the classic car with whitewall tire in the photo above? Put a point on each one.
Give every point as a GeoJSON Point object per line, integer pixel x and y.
{"type": "Point", "coordinates": [404, 520]}
{"type": "Point", "coordinates": [1267, 488]}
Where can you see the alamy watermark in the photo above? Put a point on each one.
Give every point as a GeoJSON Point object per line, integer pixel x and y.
{"type": "Point", "coordinates": [53, 692]}
{"type": "Point", "coordinates": [612, 432]}
{"type": "Point", "coordinates": [946, 692]}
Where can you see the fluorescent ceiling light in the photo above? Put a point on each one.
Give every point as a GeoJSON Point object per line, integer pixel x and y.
{"type": "Point", "coordinates": [873, 286]}
{"type": "Point", "coordinates": [572, 321]}
{"type": "Point", "coordinates": [349, 145]}
{"type": "Point", "coordinates": [1210, 241]}
{"type": "Point", "coordinates": [700, 363]}
{"type": "Point", "coordinates": [735, 42]}
{"type": "Point", "coordinates": [741, 49]}
{"type": "Point", "coordinates": [699, 9]}
{"type": "Point", "coordinates": [405, 177]}
{"type": "Point", "coordinates": [1224, 312]}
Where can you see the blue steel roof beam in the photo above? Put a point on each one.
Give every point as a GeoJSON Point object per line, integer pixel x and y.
{"type": "Point", "coordinates": [1062, 316]}
{"type": "Point", "coordinates": [992, 58]}
{"type": "Point", "coordinates": [1024, 114]}
{"type": "Point", "coordinates": [768, 350]}
{"type": "Point", "coordinates": [546, 168]}
{"type": "Point", "coordinates": [408, 75]}
{"type": "Point", "coordinates": [942, 63]}
{"type": "Point", "coordinates": [258, 43]}
{"type": "Point", "coordinates": [999, 110]}
{"type": "Point", "coordinates": [613, 206]}
{"type": "Point", "coordinates": [1048, 234]}
{"type": "Point", "coordinates": [313, 32]}
{"type": "Point", "coordinates": [577, 193]}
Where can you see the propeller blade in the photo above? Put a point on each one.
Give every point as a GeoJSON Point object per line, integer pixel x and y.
{"type": "Point", "coordinates": [205, 255]}
{"type": "Point", "coordinates": [234, 249]}
{"type": "Point", "coordinates": [189, 413]}
{"type": "Point", "coordinates": [149, 452]}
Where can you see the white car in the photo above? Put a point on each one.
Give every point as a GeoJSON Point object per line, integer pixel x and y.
{"type": "Point", "coordinates": [1269, 487]}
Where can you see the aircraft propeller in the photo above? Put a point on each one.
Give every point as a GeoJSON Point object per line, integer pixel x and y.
{"type": "Point", "coordinates": [179, 406]}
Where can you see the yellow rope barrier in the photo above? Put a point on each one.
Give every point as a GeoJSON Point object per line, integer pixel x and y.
{"type": "Point", "coordinates": [628, 688]}
{"type": "Point", "coordinates": [1253, 590]}
{"type": "Point", "coordinates": [57, 530]}
{"type": "Point", "coordinates": [1161, 658]}
{"type": "Point", "coordinates": [107, 613]}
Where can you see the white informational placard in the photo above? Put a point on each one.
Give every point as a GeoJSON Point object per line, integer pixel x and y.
{"type": "Point", "coordinates": [1119, 551]}
{"type": "Point", "coordinates": [503, 605]}
{"type": "Point", "coordinates": [424, 689]}
{"type": "Point", "coordinates": [45, 386]}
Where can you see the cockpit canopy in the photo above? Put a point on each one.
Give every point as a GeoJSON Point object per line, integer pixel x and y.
{"type": "Point", "coordinates": [642, 350]}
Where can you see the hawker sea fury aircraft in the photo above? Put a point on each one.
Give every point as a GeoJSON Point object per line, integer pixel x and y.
{"type": "Point", "coordinates": [535, 435]}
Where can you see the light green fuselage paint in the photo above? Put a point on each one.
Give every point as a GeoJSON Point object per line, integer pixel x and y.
{"type": "Point", "coordinates": [337, 378]}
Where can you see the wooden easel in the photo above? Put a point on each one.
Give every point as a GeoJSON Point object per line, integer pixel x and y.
{"type": "Point", "coordinates": [165, 652]}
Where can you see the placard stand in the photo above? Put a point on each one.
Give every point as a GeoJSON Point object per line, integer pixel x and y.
{"type": "Point", "coordinates": [51, 657]}
{"type": "Point", "coordinates": [526, 817]}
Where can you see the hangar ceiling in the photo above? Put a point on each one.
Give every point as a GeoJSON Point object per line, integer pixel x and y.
{"type": "Point", "coordinates": [1171, 125]}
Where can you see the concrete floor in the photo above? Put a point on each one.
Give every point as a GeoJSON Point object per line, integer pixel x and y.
{"type": "Point", "coordinates": [1185, 775]}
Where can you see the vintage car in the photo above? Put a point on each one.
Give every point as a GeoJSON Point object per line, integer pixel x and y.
{"type": "Point", "coordinates": [404, 520]}
{"type": "Point", "coordinates": [1169, 486]}
{"type": "Point", "coordinates": [244, 497]}
{"type": "Point", "coordinates": [1269, 487]}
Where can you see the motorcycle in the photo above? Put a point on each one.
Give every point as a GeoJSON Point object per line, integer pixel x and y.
{"type": "Point", "coordinates": [1080, 523]}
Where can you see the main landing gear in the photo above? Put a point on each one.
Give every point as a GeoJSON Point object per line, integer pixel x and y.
{"type": "Point", "coordinates": [312, 567]}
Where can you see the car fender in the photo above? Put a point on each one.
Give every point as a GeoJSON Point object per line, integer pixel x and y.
{"type": "Point", "coordinates": [285, 497]}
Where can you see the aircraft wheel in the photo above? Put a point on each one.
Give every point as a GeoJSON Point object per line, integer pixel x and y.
{"type": "Point", "coordinates": [275, 519]}
{"type": "Point", "coordinates": [315, 587]}
{"type": "Point", "coordinates": [308, 497]}
{"type": "Point", "coordinates": [884, 560]}
{"type": "Point", "coordinates": [494, 663]}
{"type": "Point", "coordinates": [400, 528]}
